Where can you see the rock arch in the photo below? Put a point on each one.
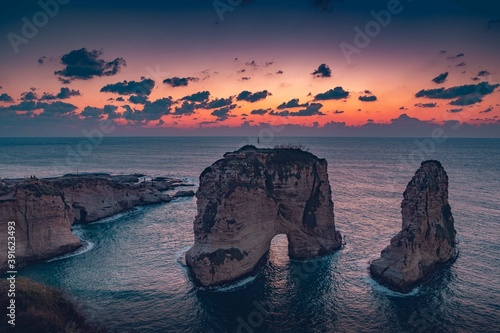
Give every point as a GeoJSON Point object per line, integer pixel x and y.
{"type": "Point", "coordinates": [252, 195]}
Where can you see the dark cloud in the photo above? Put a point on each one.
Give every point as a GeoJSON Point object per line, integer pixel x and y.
{"type": "Point", "coordinates": [42, 60]}
{"type": "Point", "coordinates": [279, 72]}
{"type": "Point", "coordinates": [260, 112]}
{"type": "Point", "coordinates": [23, 106]}
{"type": "Point", "coordinates": [91, 112]}
{"type": "Point", "coordinates": [56, 108]}
{"type": "Point", "coordinates": [336, 93]}
{"type": "Point", "coordinates": [326, 5]}
{"type": "Point", "coordinates": [455, 110]}
{"type": "Point", "coordinates": [245, 78]}
{"type": "Point", "coordinates": [201, 96]}
{"type": "Point", "coordinates": [269, 63]}
{"type": "Point", "coordinates": [138, 99]}
{"type": "Point", "coordinates": [322, 71]}
{"type": "Point", "coordinates": [47, 113]}
{"type": "Point", "coordinates": [186, 108]}
{"type": "Point", "coordinates": [368, 92]}
{"type": "Point", "coordinates": [64, 93]}
{"type": "Point", "coordinates": [403, 108]}
{"type": "Point", "coordinates": [475, 78]}
{"type": "Point", "coordinates": [29, 96]}
{"type": "Point", "coordinates": [252, 97]}
{"type": "Point", "coordinates": [6, 98]}
{"type": "Point", "coordinates": [151, 111]}
{"type": "Point", "coordinates": [251, 63]}
{"type": "Point", "coordinates": [467, 100]}
{"type": "Point", "coordinates": [493, 22]}
{"type": "Point", "coordinates": [143, 87]}
{"type": "Point", "coordinates": [217, 103]}
{"type": "Point", "coordinates": [460, 55]}
{"type": "Point", "coordinates": [294, 103]}
{"type": "Point", "coordinates": [466, 95]}
{"type": "Point", "coordinates": [338, 112]}
{"type": "Point", "coordinates": [223, 113]}
{"type": "Point", "coordinates": [426, 105]}
{"type": "Point", "coordinates": [311, 110]}
{"type": "Point", "coordinates": [483, 73]}
{"type": "Point", "coordinates": [179, 81]}
{"type": "Point", "coordinates": [120, 99]}
{"type": "Point", "coordinates": [82, 64]}
{"type": "Point", "coordinates": [488, 110]}
{"type": "Point", "coordinates": [284, 113]}
{"type": "Point", "coordinates": [440, 78]}
{"type": "Point", "coordinates": [367, 98]}
{"type": "Point", "coordinates": [462, 64]}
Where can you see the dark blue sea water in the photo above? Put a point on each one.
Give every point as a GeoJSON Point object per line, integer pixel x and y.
{"type": "Point", "coordinates": [130, 277]}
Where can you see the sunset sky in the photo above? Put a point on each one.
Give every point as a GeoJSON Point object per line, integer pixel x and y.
{"type": "Point", "coordinates": [229, 67]}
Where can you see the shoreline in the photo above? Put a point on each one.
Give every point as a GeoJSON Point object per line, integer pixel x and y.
{"type": "Point", "coordinates": [44, 210]}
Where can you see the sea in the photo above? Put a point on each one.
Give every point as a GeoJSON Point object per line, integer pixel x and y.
{"type": "Point", "coordinates": [129, 277]}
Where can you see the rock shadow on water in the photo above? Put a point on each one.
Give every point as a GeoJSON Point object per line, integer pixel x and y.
{"type": "Point", "coordinates": [427, 309]}
{"type": "Point", "coordinates": [277, 298]}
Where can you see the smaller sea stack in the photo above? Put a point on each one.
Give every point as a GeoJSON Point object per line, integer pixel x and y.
{"type": "Point", "coordinates": [427, 238]}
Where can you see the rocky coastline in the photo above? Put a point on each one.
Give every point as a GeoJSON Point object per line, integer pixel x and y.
{"type": "Point", "coordinates": [45, 209]}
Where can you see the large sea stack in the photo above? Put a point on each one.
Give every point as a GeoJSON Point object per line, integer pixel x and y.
{"type": "Point", "coordinates": [252, 195]}
{"type": "Point", "coordinates": [427, 238]}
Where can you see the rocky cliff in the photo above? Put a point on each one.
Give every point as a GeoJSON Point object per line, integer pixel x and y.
{"type": "Point", "coordinates": [427, 238]}
{"type": "Point", "coordinates": [247, 198]}
{"type": "Point", "coordinates": [44, 210]}
{"type": "Point", "coordinates": [43, 219]}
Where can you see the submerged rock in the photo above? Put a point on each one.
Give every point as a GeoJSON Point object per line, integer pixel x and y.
{"type": "Point", "coordinates": [427, 238]}
{"type": "Point", "coordinates": [252, 195]}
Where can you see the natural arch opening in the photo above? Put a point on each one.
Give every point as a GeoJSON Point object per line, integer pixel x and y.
{"type": "Point", "coordinates": [278, 251]}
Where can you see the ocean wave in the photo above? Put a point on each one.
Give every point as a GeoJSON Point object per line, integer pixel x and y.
{"type": "Point", "coordinates": [180, 257]}
{"type": "Point", "coordinates": [133, 212]}
{"type": "Point", "coordinates": [232, 286]}
{"type": "Point", "coordinates": [389, 292]}
{"type": "Point", "coordinates": [86, 247]}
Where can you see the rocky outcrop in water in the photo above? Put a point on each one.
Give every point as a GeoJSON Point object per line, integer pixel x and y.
{"type": "Point", "coordinates": [44, 210]}
{"type": "Point", "coordinates": [427, 238]}
{"type": "Point", "coordinates": [252, 195]}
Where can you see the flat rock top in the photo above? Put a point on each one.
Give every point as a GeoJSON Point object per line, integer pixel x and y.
{"type": "Point", "coordinates": [286, 153]}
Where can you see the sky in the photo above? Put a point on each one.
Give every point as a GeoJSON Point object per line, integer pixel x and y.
{"type": "Point", "coordinates": [250, 67]}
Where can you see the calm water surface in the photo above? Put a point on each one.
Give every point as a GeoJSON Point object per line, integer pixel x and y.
{"type": "Point", "coordinates": [131, 278]}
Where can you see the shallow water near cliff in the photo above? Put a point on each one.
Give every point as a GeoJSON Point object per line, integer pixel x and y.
{"type": "Point", "coordinates": [131, 278]}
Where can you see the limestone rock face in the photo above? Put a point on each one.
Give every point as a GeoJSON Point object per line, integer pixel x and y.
{"type": "Point", "coordinates": [95, 198]}
{"type": "Point", "coordinates": [42, 224]}
{"type": "Point", "coordinates": [45, 210]}
{"type": "Point", "coordinates": [428, 234]}
{"type": "Point", "coordinates": [250, 196]}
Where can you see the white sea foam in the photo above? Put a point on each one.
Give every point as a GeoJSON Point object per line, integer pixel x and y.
{"type": "Point", "coordinates": [242, 283]}
{"type": "Point", "coordinates": [87, 246]}
{"type": "Point", "coordinates": [133, 212]}
{"type": "Point", "coordinates": [382, 289]}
